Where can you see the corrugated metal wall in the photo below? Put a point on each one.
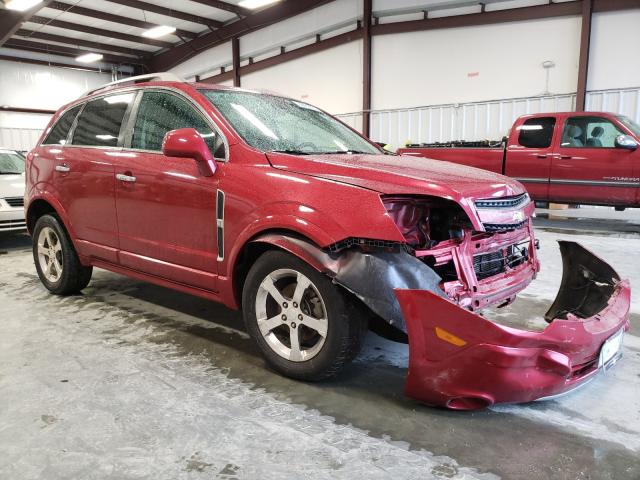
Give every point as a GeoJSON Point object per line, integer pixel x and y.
{"type": "Point", "coordinates": [438, 123]}
{"type": "Point", "coordinates": [481, 120]}
{"type": "Point", "coordinates": [39, 87]}
{"type": "Point", "coordinates": [19, 138]}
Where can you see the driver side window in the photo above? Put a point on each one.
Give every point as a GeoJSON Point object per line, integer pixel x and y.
{"type": "Point", "coordinates": [589, 132]}
{"type": "Point", "coordinates": [161, 112]}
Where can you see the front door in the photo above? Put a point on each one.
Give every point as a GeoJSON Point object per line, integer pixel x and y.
{"type": "Point", "coordinates": [166, 208]}
{"type": "Point", "coordinates": [529, 155]}
{"type": "Point", "coordinates": [588, 168]}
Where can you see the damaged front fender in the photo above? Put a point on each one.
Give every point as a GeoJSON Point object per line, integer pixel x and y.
{"type": "Point", "coordinates": [460, 360]}
{"type": "Point", "coordinates": [373, 276]}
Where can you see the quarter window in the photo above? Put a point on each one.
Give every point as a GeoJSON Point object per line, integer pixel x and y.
{"type": "Point", "coordinates": [60, 131]}
{"type": "Point", "coordinates": [537, 132]}
{"type": "Point", "coordinates": [100, 121]}
{"type": "Point", "coordinates": [589, 132]}
{"type": "Point", "coordinates": [160, 113]}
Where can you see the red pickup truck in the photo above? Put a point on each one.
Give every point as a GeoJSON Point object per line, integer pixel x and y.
{"type": "Point", "coordinates": [575, 157]}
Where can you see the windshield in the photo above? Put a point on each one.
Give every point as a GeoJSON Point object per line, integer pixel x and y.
{"type": "Point", "coordinates": [11, 162]}
{"type": "Point", "coordinates": [275, 124]}
{"type": "Point", "coordinates": [630, 124]}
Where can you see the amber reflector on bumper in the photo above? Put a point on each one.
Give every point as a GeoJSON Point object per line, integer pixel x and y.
{"type": "Point", "coordinates": [449, 337]}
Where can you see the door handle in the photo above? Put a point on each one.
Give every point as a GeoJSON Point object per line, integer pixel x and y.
{"type": "Point", "coordinates": [125, 178]}
{"type": "Point", "coordinates": [566, 157]}
{"type": "Point", "coordinates": [64, 168]}
{"type": "Point", "coordinates": [541, 155]}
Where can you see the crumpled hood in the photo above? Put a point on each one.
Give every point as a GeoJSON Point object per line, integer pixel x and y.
{"type": "Point", "coordinates": [390, 174]}
{"type": "Point", "coordinates": [12, 185]}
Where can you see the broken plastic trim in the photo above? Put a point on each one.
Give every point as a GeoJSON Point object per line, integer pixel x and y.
{"type": "Point", "coordinates": [461, 360]}
{"type": "Point", "coordinates": [371, 276]}
{"type": "Point", "coordinates": [587, 283]}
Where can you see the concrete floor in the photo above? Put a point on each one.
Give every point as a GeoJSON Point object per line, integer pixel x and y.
{"type": "Point", "coordinates": [130, 381]}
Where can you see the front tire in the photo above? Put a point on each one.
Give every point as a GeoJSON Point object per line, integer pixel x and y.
{"type": "Point", "coordinates": [57, 262]}
{"type": "Point", "coordinates": [305, 326]}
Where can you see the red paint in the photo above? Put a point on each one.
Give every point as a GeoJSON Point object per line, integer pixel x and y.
{"type": "Point", "coordinates": [188, 143]}
{"type": "Point", "coordinates": [500, 364]}
{"type": "Point", "coordinates": [557, 173]}
{"type": "Point", "coordinates": [161, 226]}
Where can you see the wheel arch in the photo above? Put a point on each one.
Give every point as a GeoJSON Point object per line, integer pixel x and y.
{"type": "Point", "coordinates": [289, 241]}
{"type": "Point", "coordinates": [43, 204]}
{"type": "Point", "coordinates": [37, 208]}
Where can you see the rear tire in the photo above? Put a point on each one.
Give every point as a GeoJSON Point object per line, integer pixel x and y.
{"type": "Point", "coordinates": [285, 301]}
{"type": "Point", "coordinates": [56, 259]}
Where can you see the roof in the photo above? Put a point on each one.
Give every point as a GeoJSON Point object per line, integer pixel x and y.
{"type": "Point", "coordinates": [114, 28]}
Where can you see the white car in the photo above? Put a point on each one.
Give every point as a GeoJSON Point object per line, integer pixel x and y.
{"type": "Point", "coordinates": [11, 191]}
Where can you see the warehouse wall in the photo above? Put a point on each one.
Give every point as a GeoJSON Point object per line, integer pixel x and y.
{"type": "Point", "coordinates": [459, 65]}
{"type": "Point", "coordinates": [615, 38]}
{"type": "Point", "coordinates": [474, 63]}
{"type": "Point", "coordinates": [331, 79]}
{"type": "Point", "coordinates": [41, 87]}
{"type": "Point", "coordinates": [206, 63]}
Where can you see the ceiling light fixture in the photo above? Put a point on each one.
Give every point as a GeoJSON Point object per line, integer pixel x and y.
{"type": "Point", "coordinates": [253, 4]}
{"type": "Point", "coordinates": [159, 31]}
{"type": "Point", "coordinates": [89, 57]}
{"type": "Point", "coordinates": [21, 5]}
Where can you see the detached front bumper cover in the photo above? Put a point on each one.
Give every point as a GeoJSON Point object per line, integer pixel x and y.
{"type": "Point", "coordinates": [460, 360]}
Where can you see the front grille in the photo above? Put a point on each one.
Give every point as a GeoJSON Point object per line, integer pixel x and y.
{"type": "Point", "coordinates": [489, 264]}
{"type": "Point", "coordinates": [503, 202]}
{"type": "Point", "coordinates": [15, 201]}
{"type": "Point", "coordinates": [503, 227]}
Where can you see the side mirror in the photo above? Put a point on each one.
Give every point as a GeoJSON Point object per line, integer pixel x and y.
{"type": "Point", "coordinates": [626, 141]}
{"type": "Point", "coordinates": [384, 146]}
{"type": "Point", "coordinates": [188, 143]}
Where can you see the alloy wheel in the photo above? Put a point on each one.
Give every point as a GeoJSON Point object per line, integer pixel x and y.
{"type": "Point", "coordinates": [50, 254]}
{"type": "Point", "coordinates": [291, 315]}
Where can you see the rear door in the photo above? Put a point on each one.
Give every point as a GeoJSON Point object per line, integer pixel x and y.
{"type": "Point", "coordinates": [529, 154]}
{"type": "Point", "coordinates": [85, 180]}
{"type": "Point", "coordinates": [166, 208]}
{"type": "Point", "coordinates": [588, 168]}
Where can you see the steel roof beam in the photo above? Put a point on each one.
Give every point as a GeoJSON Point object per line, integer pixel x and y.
{"type": "Point", "coordinates": [110, 17]}
{"type": "Point", "coordinates": [227, 7]}
{"type": "Point", "coordinates": [26, 34]}
{"type": "Point", "coordinates": [65, 51]}
{"type": "Point", "coordinates": [100, 32]}
{"type": "Point", "coordinates": [276, 13]}
{"type": "Point", "coordinates": [169, 12]}
{"type": "Point", "coordinates": [10, 21]}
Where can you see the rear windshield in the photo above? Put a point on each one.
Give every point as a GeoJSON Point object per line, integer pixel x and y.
{"type": "Point", "coordinates": [11, 163]}
{"type": "Point", "coordinates": [271, 123]}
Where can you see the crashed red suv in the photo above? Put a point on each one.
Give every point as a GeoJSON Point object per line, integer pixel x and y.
{"type": "Point", "coordinates": [268, 204]}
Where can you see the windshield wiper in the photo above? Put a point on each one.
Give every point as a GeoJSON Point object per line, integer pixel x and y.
{"type": "Point", "coordinates": [9, 173]}
{"type": "Point", "coordinates": [342, 152]}
{"type": "Point", "coordinates": [290, 152]}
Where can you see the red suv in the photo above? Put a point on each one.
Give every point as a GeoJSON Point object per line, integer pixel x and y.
{"type": "Point", "coordinates": [271, 205]}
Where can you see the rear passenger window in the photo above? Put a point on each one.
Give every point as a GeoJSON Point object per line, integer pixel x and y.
{"type": "Point", "coordinates": [537, 132]}
{"type": "Point", "coordinates": [160, 113]}
{"type": "Point", "coordinates": [60, 131]}
{"type": "Point", "coordinates": [100, 120]}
